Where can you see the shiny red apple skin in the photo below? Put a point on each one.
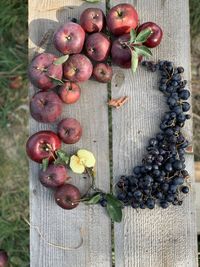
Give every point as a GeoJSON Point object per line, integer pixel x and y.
{"type": "Point", "coordinates": [69, 38]}
{"type": "Point", "coordinates": [156, 37]}
{"type": "Point", "coordinates": [45, 107]}
{"type": "Point", "coordinates": [121, 54]}
{"type": "Point", "coordinates": [92, 20]}
{"type": "Point", "coordinates": [69, 130]}
{"type": "Point", "coordinates": [97, 46]}
{"type": "Point", "coordinates": [67, 196]}
{"type": "Point", "coordinates": [42, 145]}
{"type": "Point", "coordinates": [41, 68]}
{"type": "Point", "coordinates": [54, 176]}
{"type": "Point", "coordinates": [102, 73]}
{"type": "Point", "coordinates": [121, 19]}
{"type": "Point", "coordinates": [69, 92]}
{"type": "Point", "coordinates": [3, 258]}
{"type": "Point", "coordinates": [78, 68]}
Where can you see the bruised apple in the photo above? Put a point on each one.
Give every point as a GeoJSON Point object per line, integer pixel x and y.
{"type": "Point", "coordinates": [69, 130]}
{"type": "Point", "coordinates": [43, 73]}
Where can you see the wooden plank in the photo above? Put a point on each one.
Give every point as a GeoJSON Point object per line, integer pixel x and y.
{"type": "Point", "coordinates": [57, 225]}
{"type": "Point", "coordinates": [164, 238]}
{"type": "Point", "coordinates": [197, 205]}
{"type": "Point", "coordinates": [197, 171]}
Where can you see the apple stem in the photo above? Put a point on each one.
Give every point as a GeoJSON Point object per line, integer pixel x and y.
{"type": "Point", "coordinates": [92, 186]}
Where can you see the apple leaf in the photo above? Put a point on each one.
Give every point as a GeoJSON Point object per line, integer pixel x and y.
{"type": "Point", "coordinates": [94, 199]}
{"type": "Point", "coordinates": [92, 1]}
{"type": "Point", "coordinates": [62, 157]}
{"type": "Point", "coordinates": [134, 61]}
{"type": "Point", "coordinates": [111, 197]}
{"type": "Point", "coordinates": [133, 35]}
{"type": "Point", "coordinates": [143, 36]}
{"type": "Point", "coordinates": [57, 81]}
{"type": "Point", "coordinates": [45, 163]}
{"type": "Point", "coordinates": [61, 60]}
{"type": "Point", "coordinates": [114, 208]}
{"type": "Point", "coordinates": [143, 50]}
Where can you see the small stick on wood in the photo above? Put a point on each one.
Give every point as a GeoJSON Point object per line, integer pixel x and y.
{"type": "Point", "coordinates": [52, 244]}
{"type": "Point", "coordinates": [118, 102]}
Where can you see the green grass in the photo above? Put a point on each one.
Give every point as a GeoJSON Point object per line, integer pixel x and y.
{"type": "Point", "coordinates": [194, 17]}
{"type": "Point", "coordinates": [14, 203]}
{"type": "Point", "coordinates": [14, 237]}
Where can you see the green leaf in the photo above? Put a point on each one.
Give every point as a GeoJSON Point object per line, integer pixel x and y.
{"type": "Point", "coordinates": [134, 61]}
{"type": "Point", "coordinates": [93, 199]}
{"type": "Point", "coordinates": [133, 35]}
{"type": "Point", "coordinates": [112, 198]}
{"type": "Point", "coordinates": [57, 81]}
{"type": "Point", "coordinates": [143, 36]}
{"type": "Point", "coordinates": [45, 163]}
{"type": "Point", "coordinates": [61, 60]}
{"type": "Point", "coordinates": [114, 212]}
{"type": "Point", "coordinates": [143, 50]}
{"type": "Point", "coordinates": [92, 1]}
{"type": "Point", "coordinates": [114, 208]}
{"type": "Point", "coordinates": [62, 157]}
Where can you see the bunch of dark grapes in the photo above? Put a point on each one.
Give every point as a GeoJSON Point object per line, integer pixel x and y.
{"type": "Point", "coordinates": [161, 178]}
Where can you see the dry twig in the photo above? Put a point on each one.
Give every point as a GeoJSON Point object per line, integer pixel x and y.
{"type": "Point", "coordinates": [52, 244]}
{"type": "Point", "coordinates": [118, 102]}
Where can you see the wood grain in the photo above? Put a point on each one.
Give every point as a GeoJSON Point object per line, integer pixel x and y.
{"type": "Point", "coordinates": [158, 238]}
{"type": "Point", "coordinates": [197, 171]}
{"type": "Point", "coordinates": [59, 226]}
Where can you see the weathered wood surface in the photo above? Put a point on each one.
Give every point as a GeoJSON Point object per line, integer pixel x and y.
{"type": "Point", "coordinates": [59, 226]}
{"type": "Point", "coordinates": [158, 238]}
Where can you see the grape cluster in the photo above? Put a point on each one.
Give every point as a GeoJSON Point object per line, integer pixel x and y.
{"type": "Point", "coordinates": [161, 178]}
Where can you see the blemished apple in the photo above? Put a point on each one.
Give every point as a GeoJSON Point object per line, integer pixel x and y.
{"type": "Point", "coordinates": [45, 107]}
{"type": "Point", "coordinates": [97, 46]}
{"type": "Point", "coordinates": [67, 196]}
{"type": "Point", "coordinates": [92, 20]}
{"type": "Point", "coordinates": [69, 130]}
{"type": "Point", "coordinates": [69, 38]}
{"type": "Point", "coordinates": [53, 176]}
{"type": "Point", "coordinates": [121, 19]}
{"type": "Point", "coordinates": [42, 145]}
{"type": "Point", "coordinates": [69, 92]}
{"type": "Point", "coordinates": [156, 37]}
{"type": "Point", "coordinates": [3, 258]}
{"type": "Point", "coordinates": [78, 68]}
{"type": "Point", "coordinates": [41, 71]}
{"type": "Point", "coordinates": [102, 73]}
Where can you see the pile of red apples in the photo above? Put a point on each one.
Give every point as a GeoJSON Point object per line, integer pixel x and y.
{"type": "Point", "coordinates": [86, 49]}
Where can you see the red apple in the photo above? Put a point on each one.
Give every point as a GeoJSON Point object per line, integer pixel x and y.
{"type": "Point", "coordinates": [69, 38]}
{"type": "Point", "coordinates": [3, 258]}
{"type": "Point", "coordinates": [156, 37]}
{"type": "Point", "coordinates": [42, 145]}
{"type": "Point", "coordinates": [78, 68]}
{"type": "Point", "coordinates": [67, 196]}
{"type": "Point", "coordinates": [102, 73]}
{"type": "Point", "coordinates": [54, 176]}
{"type": "Point", "coordinates": [121, 54]}
{"type": "Point", "coordinates": [69, 92]}
{"type": "Point", "coordinates": [69, 130]}
{"type": "Point", "coordinates": [42, 69]}
{"type": "Point", "coordinates": [45, 107]}
{"type": "Point", "coordinates": [92, 20]}
{"type": "Point", "coordinates": [121, 19]}
{"type": "Point", "coordinates": [16, 82]}
{"type": "Point", "coordinates": [97, 46]}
